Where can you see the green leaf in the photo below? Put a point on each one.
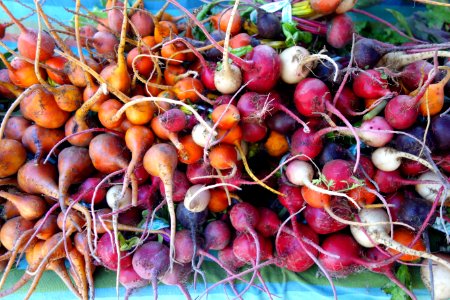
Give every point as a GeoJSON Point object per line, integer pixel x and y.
{"type": "Point", "coordinates": [241, 51]}
{"type": "Point", "coordinates": [125, 244]}
{"type": "Point", "coordinates": [293, 35]}
{"type": "Point", "coordinates": [401, 20]}
{"type": "Point", "coordinates": [404, 277]}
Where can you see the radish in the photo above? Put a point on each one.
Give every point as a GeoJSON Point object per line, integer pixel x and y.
{"type": "Point", "coordinates": [150, 261]}
{"type": "Point", "coordinates": [346, 254]}
{"type": "Point", "coordinates": [440, 274]}
{"type": "Point", "coordinates": [260, 67]}
{"type": "Point", "coordinates": [379, 234]}
{"type": "Point", "coordinates": [297, 62]}
{"type": "Point", "coordinates": [161, 160]}
{"type": "Point", "coordinates": [429, 191]}
{"type": "Point", "coordinates": [228, 77]}
{"type": "Point", "coordinates": [312, 97]}
{"type": "Point", "coordinates": [27, 41]}
{"type": "Point", "coordinates": [321, 222]}
{"type": "Point", "coordinates": [389, 159]}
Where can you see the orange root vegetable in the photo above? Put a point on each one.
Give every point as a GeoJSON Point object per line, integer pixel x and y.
{"type": "Point", "coordinates": [433, 100]}
{"type": "Point", "coordinates": [15, 128]}
{"type": "Point", "coordinates": [161, 161]}
{"type": "Point", "coordinates": [74, 166]}
{"type": "Point", "coordinates": [60, 269]}
{"type": "Point", "coordinates": [21, 73]}
{"type": "Point", "coordinates": [277, 144]}
{"type": "Point", "coordinates": [40, 107]}
{"type": "Point", "coordinates": [80, 121]}
{"type": "Point", "coordinates": [40, 140]}
{"type": "Point", "coordinates": [79, 271]}
{"type": "Point", "coordinates": [12, 156]}
{"type": "Point", "coordinates": [107, 111]}
{"type": "Point", "coordinates": [405, 237]}
{"type": "Point", "coordinates": [12, 230]}
{"type": "Point", "coordinates": [108, 153]}
{"type": "Point", "coordinates": [138, 140]}
{"type": "Point", "coordinates": [8, 211]}
{"type": "Point", "coordinates": [30, 207]}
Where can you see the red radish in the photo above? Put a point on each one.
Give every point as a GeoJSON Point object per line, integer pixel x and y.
{"type": "Point", "coordinates": [292, 256]}
{"type": "Point", "coordinates": [217, 235]}
{"type": "Point", "coordinates": [370, 85]}
{"type": "Point", "coordinates": [105, 43]}
{"type": "Point", "coordinates": [161, 160]}
{"type": "Point", "coordinates": [338, 173]}
{"type": "Point", "coordinates": [150, 261]}
{"type": "Point", "coordinates": [271, 223]}
{"type": "Point", "coordinates": [27, 41]}
{"type": "Point", "coordinates": [414, 73]}
{"type": "Point", "coordinates": [291, 197]}
{"type": "Point", "coordinates": [227, 257]}
{"type": "Point", "coordinates": [321, 222]}
{"type": "Point", "coordinates": [347, 251]}
{"type": "Point", "coordinates": [391, 181]}
{"type": "Point", "coordinates": [142, 23]}
{"type": "Point", "coordinates": [108, 255]}
{"type": "Point", "coordinates": [198, 173]}
{"type": "Point", "coordinates": [178, 276]}
{"type": "Point", "coordinates": [340, 31]}
{"type": "Point", "coordinates": [184, 246]}
{"type": "Point", "coordinates": [86, 189]}
{"type": "Point", "coordinates": [312, 96]}
{"type": "Point", "coordinates": [131, 280]}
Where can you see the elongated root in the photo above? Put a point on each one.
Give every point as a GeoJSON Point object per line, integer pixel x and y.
{"type": "Point", "coordinates": [390, 243]}
{"type": "Point", "coordinates": [250, 173]}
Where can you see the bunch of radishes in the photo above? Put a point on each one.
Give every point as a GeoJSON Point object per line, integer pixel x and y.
{"type": "Point", "coordinates": [142, 115]}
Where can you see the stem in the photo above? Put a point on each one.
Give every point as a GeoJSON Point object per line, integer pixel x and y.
{"type": "Point", "coordinates": [121, 62]}
{"type": "Point", "coordinates": [13, 18]}
{"type": "Point", "coordinates": [122, 97]}
{"type": "Point", "coordinates": [120, 112]}
{"type": "Point", "coordinates": [336, 112]}
{"type": "Point", "coordinates": [14, 105]}
{"type": "Point", "coordinates": [250, 173]}
{"type": "Point", "coordinates": [390, 243]}
{"type": "Point", "coordinates": [120, 134]}
{"type": "Point", "coordinates": [38, 52]}
{"type": "Point", "coordinates": [225, 62]}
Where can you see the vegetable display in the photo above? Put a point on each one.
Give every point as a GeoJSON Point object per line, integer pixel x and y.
{"type": "Point", "coordinates": [244, 133]}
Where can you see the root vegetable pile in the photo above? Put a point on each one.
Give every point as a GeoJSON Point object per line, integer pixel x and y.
{"type": "Point", "coordinates": [146, 143]}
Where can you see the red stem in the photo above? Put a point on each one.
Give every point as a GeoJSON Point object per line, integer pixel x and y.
{"type": "Point", "coordinates": [243, 64]}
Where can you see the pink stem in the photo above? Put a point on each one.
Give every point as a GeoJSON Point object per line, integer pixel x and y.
{"type": "Point", "coordinates": [49, 212]}
{"type": "Point", "coordinates": [311, 26]}
{"type": "Point", "coordinates": [335, 111]}
{"type": "Point", "coordinates": [82, 132]}
{"type": "Point", "coordinates": [293, 116]}
{"type": "Point", "coordinates": [394, 279]}
{"type": "Point", "coordinates": [243, 64]}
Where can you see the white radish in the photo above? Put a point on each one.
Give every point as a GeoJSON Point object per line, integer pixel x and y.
{"type": "Point", "coordinates": [294, 66]}
{"type": "Point", "coordinates": [378, 234]}
{"type": "Point", "coordinates": [301, 173]}
{"type": "Point", "coordinates": [429, 191]}
{"type": "Point", "coordinates": [389, 159]}
{"type": "Point", "coordinates": [441, 275]}
{"type": "Point", "coordinates": [197, 198]}
{"type": "Point", "coordinates": [228, 77]}
{"type": "Point", "coordinates": [201, 135]}
{"type": "Point", "coordinates": [115, 200]}
{"type": "Point", "coordinates": [297, 63]}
